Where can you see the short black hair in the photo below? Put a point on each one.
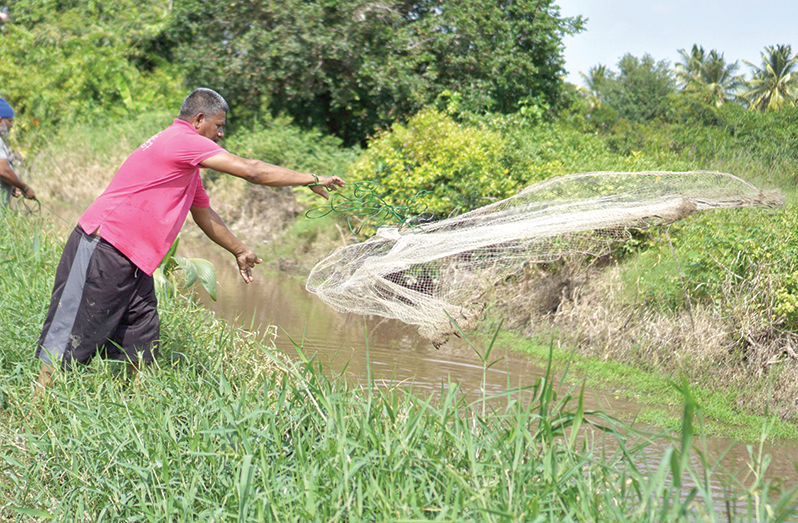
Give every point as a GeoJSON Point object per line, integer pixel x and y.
{"type": "Point", "coordinates": [202, 100]}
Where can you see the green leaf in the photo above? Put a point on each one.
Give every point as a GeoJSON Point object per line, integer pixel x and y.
{"type": "Point", "coordinates": [162, 284]}
{"type": "Point", "coordinates": [33, 512]}
{"type": "Point", "coordinates": [207, 275]}
{"type": "Point", "coordinates": [167, 261]}
{"type": "Point", "coordinates": [189, 269]}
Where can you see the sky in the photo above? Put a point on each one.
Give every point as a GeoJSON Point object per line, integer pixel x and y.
{"type": "Point", "coordinates": [740, 30]}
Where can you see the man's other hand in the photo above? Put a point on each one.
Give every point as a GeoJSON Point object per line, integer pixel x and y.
{"type": "Point", "coordinates": [246, 261]}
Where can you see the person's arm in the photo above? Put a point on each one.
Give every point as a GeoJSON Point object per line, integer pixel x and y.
{"type": "Point", "coordinates": [8, 175]}
{"type": "Point", "coordinates": [262, 173]}
{"type": "Point", "coordinates": [213, 226]}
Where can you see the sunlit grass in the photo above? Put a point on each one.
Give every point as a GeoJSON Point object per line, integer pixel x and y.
{"type": "Point", "coordinates": [225, 429]}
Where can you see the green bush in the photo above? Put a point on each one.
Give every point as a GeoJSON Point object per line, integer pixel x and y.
{"type": "Point", "coordinates": [480, 159]}
{"type": "Point", "coordinates": [722, 252]}
{"type": "Point", "coordinates": [66, 61]}
{"type": "Point", "coordinates": [462, 167]}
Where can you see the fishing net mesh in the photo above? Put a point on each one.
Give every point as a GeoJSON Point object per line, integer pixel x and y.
{"type": "Point", "coordinates": [426, 273]}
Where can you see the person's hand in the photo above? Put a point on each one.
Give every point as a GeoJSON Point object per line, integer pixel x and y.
{"type": "Point", "coordinates": [29, 193]}
{"type": "Point", "coordinates": [246, 261]}
{"type": "Point", "coordinates": [330, 182]}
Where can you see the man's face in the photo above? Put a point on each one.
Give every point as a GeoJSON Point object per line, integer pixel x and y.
{"type": "Point", "coordinates": [5, 126]}
{"type": "Point", "coordinates": [212, 126]}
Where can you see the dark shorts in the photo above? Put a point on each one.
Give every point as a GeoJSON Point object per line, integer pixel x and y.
{"type": "Point", "coordinates": [102, 303]}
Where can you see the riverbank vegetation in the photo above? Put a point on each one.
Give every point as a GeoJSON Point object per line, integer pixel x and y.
{"type": "Point", "coordinates": [225, 429]}
{"type": "Point", "coordinates": [408, 102]}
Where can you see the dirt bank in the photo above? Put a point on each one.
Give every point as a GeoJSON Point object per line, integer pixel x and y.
{"type": "Point", "coordinates": [588, 306]}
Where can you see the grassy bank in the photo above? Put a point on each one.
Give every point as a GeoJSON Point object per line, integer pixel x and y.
{"type": "Point", "coordinates": [226, 430]}
{"type": "Point", "coordinates": [725, 317]}
{"type": "Point", "coordinates": [660, 401]}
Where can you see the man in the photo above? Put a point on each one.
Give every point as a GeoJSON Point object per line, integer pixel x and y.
{"type": "Point", "coordinates": [10, 184]}
{"type": "Point", "coordinates": [103, 299]}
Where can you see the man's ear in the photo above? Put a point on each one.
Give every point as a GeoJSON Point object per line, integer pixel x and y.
{"type": "Point", "coordinates": [197, 120]}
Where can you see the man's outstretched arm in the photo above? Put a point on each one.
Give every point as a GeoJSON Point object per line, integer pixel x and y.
{"type": "Point", "coordinates": [262, 173]}
{"type": "Point", "coordinates": [213, 226]}
{"type": "Point", "coordinates": [8, 175]}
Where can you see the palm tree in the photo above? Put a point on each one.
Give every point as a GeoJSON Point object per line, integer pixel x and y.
{"type": "Point", "coordinates": [709, 73]}
{"type": "Point", "coordinates": [596, 79]}
{"type": "Point", "coordinates": [775, 84]}
{"type": "Point", "coordinates": [690, 67]}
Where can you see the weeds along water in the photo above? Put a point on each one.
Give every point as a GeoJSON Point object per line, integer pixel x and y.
{"type": "Point", "coordinates": [225, 429]}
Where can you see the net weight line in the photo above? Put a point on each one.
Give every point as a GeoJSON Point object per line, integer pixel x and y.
{"type": "Point", "coordinates": [366, 206]}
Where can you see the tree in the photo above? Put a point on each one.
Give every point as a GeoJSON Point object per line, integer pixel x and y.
{"type": "Point", "coordinates": [640, 90]}
{"type": "Point", "coordinates": [709, 74]}
{"type": "Point", "coordinates": [350, 66]}
{"type": "Point", "coordinates": [596, 79]}
{"type": "Point", "coordinates": [775, 83]}
{"type": "Point", "coordinates": [689, 69]}
{"type": "Point", "coordinates": [64, 60]}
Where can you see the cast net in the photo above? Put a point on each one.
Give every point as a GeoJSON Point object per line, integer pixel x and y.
{"type": "Point", "coordinates": [426, 273]}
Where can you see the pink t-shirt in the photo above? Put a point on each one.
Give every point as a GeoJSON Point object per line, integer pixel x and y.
{"type": "Point", "coordinates": [143, 208]}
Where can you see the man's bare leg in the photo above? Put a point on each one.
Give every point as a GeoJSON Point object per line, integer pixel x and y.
{"type": "Point", "coordinates": [45, 379]}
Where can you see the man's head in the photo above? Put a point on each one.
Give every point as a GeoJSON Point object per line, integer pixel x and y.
{"type": "Point", "coordinates": [6, 118]}
{"type": "Point", "coordinates": [206, 110]}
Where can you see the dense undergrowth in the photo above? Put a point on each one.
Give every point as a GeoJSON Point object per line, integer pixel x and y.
{"type": "Point", "coordinates": [712, 296]}
{"type": "Point", "coordinates": [720, 307]}
{"type": "Point", "coordinates": [224, 429]}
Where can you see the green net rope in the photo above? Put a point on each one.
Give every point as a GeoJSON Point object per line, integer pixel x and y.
{"type": "Point", "coordinates": [362, 204]}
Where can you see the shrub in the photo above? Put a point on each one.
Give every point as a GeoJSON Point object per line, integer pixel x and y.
{"type": "Point", "coordinates": [462, 167]}
{"type": "Point", "coordinates": [716, 251]}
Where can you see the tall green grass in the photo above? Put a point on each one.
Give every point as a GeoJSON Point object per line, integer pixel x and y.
{"type": "Point", "coordinates": [225, 429]}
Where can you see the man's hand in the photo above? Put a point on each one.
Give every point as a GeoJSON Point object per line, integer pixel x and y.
{"type": "Point", "coordinates": [330, 182]}
{"type": "Point", "coordinates": [246, 261]}
{"type": "Point", "coordinates": [27, 193]}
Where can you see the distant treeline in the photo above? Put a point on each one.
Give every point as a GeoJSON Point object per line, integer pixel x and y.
{"type": "Point", "coordinates": [346, 67]}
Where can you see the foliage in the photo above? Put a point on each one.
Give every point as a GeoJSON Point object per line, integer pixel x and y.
{"type": "Point", "coordinates": [715, 249]}
{"type": "Point", "coordinates": [640, 89]}
{"type": "Point", "coordinates": [69, 60]}
{"type": "Point", "coordinates": [462, 167]}
{"type": "Point", "coordinates": [485, 158]}
{"type": "Point", "coordinates": [697, 134]}
{"type": "Point", "coordinates": [596, 79]}
{"type": "Point", "coordinates": [709, 73]}
{"type": "Point", "coordinates": [350, 66]}
{"type": "Point", "coordinates": [760, 146]}
{"type": "Point", "coordinates": [193, 269]}
{"type": "Point", "coordinates": [775, 83]}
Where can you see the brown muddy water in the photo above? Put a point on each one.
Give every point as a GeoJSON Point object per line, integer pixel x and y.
{"type": "Point", "coordinates": [348, 344]}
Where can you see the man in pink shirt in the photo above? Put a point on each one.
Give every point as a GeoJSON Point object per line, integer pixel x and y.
{"type": "Point", "coordinates": [104, 299]}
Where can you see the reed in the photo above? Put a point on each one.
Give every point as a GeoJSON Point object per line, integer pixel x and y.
{"type": "Point", "coordinates": [226, 429]}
